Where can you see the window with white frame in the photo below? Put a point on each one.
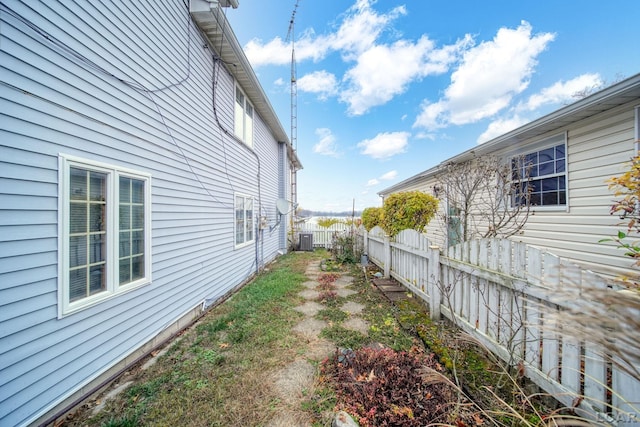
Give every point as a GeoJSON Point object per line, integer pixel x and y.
{"type": "Point", "coordinates": [540, 175]}
{"type": "Point", "coordinates": [243, 118]}
{"type": "Point", "coordinates": [244, 219]}
{"type": "Point", "coordinates": [105, 229]}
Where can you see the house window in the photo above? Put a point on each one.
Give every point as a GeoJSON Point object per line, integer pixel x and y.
{"type": "Point", "coordinates": [542, 174]}
{"type": "Point", "coordinates": [243, 118]}
{"type": "Point", "coordinates": [244, 219]}
{"type": "Point", "coordinates": [105, 230]}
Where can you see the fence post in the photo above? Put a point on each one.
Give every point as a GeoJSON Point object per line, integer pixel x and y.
{"type": "Point", "coordinates": [365, 240]}
{"type": "Point", "coordinates": [387, 257]}
{"type": "Point", "coordinates": [433, 277]}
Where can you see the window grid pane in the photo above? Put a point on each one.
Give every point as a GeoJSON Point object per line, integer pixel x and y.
{"type": "Point", "coordinates": [131, 236]}
{"type": "Point", "coordinates": [244, 221]}
{"type": "Point", "coordinates": [87, 234]}
{"type": "Point", "coordinates": [239, 220]}
{"type": "Point", "coordinates": [542, 176]}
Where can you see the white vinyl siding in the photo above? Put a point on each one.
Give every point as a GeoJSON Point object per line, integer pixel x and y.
{"type": "Point", "coordinates": [106, 232]}
{"type": "Point", "coordinates": [127, 88]}
{"type": "Point", "coordinates": [597, 149]}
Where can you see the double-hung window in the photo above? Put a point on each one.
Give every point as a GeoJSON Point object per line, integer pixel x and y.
{"type": "Point", "coordinates": [243, 118]}
{"type": "Point", "coordinates": [244, 219]}
{"type": "Point", "coordinates": [105, 232]}
{"type": "Point", "coordinates": [540, 175]}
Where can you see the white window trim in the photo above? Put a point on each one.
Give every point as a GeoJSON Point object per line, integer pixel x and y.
{"type": "Point", "coordinates": [246, 140]}
{"type": "Point", "coordinates": [65, 162]}
{"type": "Point", "coordinates": [247, 242]}
{"type": "Point", "coordinates": [543, 144]}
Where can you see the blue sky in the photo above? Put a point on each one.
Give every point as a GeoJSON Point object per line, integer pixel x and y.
{"type": "Point", "coordinates": [387, 88]}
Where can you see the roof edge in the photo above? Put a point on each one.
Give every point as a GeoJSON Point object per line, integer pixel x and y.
{"type": "Point", "coordinates": [607, 93]}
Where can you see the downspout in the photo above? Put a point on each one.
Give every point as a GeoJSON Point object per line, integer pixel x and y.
{"type": "Point", "coordinates": [258, 223]}
{"type": "Point", "coordinates": [257, 229]}
{"type": "Point", "coordinates": [636, 145]}
{"type": "Point", "coordinates": [282, 164]}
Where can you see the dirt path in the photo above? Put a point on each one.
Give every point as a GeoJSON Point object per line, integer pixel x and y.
{"type": "Point", "coordinates": [296, 379]}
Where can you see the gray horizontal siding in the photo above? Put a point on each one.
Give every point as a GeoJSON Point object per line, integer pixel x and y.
{"type": "Point", "coordinates": [61, 105]}
{"type": "Point", "coordinates": [598, 148]}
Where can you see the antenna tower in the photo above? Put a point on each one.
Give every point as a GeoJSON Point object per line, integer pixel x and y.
{"type": "Point", "coordinates": [291, 36]}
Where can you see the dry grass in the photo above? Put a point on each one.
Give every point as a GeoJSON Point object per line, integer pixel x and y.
{"type": "Point", "coordinates": [221, 371]}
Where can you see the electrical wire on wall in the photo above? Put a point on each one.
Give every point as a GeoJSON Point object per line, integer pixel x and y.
{"type": "Point", "coordinates": [86, 63]}
{"type": "Point", "coordinates": [76, 57]}
{"type": "Point", "coordinates": [259, 256]}
{"type": "Point", "coordinates": [80, 59]}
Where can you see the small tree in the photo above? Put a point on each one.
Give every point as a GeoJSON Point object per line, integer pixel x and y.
{"type": "Point", "coordinates": [627, 187]}
{"type": "Point", "coordinates": [411, 209]}
{"type": "Point", "coordinates": [371, 217]}
{"type": "Point", "coordinates": [487, 196]}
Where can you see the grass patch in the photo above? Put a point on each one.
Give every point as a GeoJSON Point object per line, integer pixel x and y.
{"type": "Point", "coordinates": [219, 372]}
{"type": "Point", "coordinates": [122, 422]}
{"type": "Point", "coordinates": [345, 338]}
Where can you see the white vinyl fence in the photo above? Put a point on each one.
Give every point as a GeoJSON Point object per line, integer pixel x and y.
{"type": "Point", "coordinates": [502, 293]}
{"type": "Point", "coordinates": [323, 236]}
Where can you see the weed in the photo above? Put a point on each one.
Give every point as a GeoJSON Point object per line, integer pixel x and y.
{"type": "Point", "coordinates": [125, 421]}
{"type": "Point", "coordinates": [343, 248]}
{"type": "Point", "coordinates": [386, 387]}
{"type": "Point", "coordinates": [321, 402]}
{"type": "Point", "coordinates": [332, 314]}
{"type": "Point", "coordinates": [326, 297]}
{"type": "Point", "coordinates": [213, 357]}
{"type": "Point", "coordinates": [343, 337]}
{"type": "Point", "coordinates": [327, 278]}
{"type": "Point", "coordinates": [330, 265]}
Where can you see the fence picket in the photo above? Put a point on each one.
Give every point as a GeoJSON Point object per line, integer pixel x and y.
{"type": "Point", "coordinates": [502, 289]}
{"type": "Point", "coordinates": [570, 364]}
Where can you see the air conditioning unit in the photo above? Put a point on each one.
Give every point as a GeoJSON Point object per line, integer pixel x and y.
{"type": "Point", "coordinates": [306, 242]}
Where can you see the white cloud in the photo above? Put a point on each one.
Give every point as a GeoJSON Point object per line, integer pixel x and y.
{"type": "Point", "coordinates": [277, 52]}
{"type": "Point", "coordinates": [500, 127]}
{"type": "Point", "coordinates": [389, 176]}
{"type": "Point", "coordinates": [321, 82]}
{"type": "Point", "coordinates": [425, 135]}
{"type": "Point", "coordinates": [327, 145]}
{"type": "Point", "coordinates": [385, 145]}
{"type": "Point", "coordinates": [385, 177]}
{"type": "Point", "coordinates": [563, 92]}
{"type": "Point", "coordinates": [560, 92]}
{"type": "Point", "coordinates": [384, 71]}
{"type": "Point", "coordinates": [360, 28]}
{"type": "Point", "coordinates": [380, 71]}
{"type": "Point", "coordinates": [488, 78]}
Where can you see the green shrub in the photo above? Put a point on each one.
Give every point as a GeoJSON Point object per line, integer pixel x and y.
{"type": "Point", "coordinates": [343, 248]}
{"type": "Point", "coordinates": [371, 217]}
{"type": "Point", "coordinates": [411, 209]}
